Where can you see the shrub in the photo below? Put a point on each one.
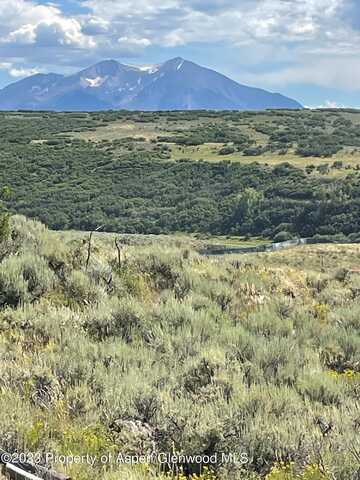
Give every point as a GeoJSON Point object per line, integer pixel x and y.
{"type": "Point", "coordinates": [226, 151]}
{"type": "Point", "coordinates": [81, 290]}
{"type": "Point", "coordinates": [4, 215]}
{"type": "Point", "coordinates": [124, 319]}
{"type": "Point", "coordinates": [184, 353]}
{"type": "Point", "coordinates": [320, 388]}
{"type": "Point", "coordinates": [166, 272]}
{"type": "Point", "coordinates": [24, 279]}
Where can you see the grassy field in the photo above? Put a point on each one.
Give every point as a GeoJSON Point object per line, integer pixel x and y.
{"type": "Point", "coordinates": [198, 242]}
{"type": "Point", "coordinates": [210, 151]}
{"type": "Point", "coordinates": [120, 129]}
{"type": "Point", "coordinates": [163, 351]}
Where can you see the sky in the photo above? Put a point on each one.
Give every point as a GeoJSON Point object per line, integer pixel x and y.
{"type": "Point", "coordinates": [306, 49]}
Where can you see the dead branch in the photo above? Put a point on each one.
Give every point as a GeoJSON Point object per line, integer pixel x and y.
{"type": "Point", "coordinates": [119, 248]}
{"type": "Point", "coordinates": [89, 246]}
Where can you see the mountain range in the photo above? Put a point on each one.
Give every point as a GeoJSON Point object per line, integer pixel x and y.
{"type": "Point", "coordinates": [177, 84]}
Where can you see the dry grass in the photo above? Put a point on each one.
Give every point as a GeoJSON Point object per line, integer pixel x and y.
{"type": "Point", "coordinates": [118, 130]}
{"type": "Point", "coordinates": [176, 352]}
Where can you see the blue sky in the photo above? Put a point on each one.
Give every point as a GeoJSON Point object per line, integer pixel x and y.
{"type": "Point", "coordinates": [307, 49]}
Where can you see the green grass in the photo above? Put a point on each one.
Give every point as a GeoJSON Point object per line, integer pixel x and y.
{"type": "Point", "coordinates": [119, 129]}
{"type": "Point", "coordinates": [234, 241]}
{"type": "Point", "coordinates": [150, 130]}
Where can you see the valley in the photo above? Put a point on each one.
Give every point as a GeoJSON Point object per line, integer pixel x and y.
{"type": "Point", "coordinates": [125, 334]}
{"type": "Point", "coordinates": [275, 174]}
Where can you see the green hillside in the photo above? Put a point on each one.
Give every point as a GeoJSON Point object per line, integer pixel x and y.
{"type": "Point", "coordinates": [273, 174]}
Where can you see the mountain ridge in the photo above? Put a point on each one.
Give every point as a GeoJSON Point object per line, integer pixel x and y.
{"type": "Point", "coordinates": [176, 84]}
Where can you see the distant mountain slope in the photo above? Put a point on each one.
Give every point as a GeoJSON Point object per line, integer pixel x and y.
{"type": "Point", "coordinates": [174, 85]}
{"type": "Point", "coordinates": [29, 92]}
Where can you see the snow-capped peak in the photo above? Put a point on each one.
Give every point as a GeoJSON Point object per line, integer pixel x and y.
{"type": "Point", "coordinates": [172, 85]}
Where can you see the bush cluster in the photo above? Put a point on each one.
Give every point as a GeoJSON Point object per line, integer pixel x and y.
{"type": "Point", "coordinates": [170, 352]}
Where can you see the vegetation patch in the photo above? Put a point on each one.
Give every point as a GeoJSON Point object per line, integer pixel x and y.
{"type": "Point", "coordinates": [252, 361]}
{"type": "Point", "coordinates": [221, 173]}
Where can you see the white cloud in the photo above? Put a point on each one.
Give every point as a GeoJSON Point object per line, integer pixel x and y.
{"type": "Point", "coordinates": [329, 104]}
{"type": "Point", "coordinates": [22, 72]}
{"type": "Point", "coordinates": [23, 35]}
{"type": "Point", "coordinates": [131, 8]}
{"type": "Point", "coordinates": [95, 26]}
{"type": "Point", "coordinates": [230, 20]}
{"type": "Point", "coordinates": [17, 72]}
{"type": "Point", "coordinates": [319, 44]}
{"type": "Point", "coordinates": [174, 22]}
{"type": "Point", "coordinates": [62, 32]}
{"type": "Point", "coordinates": [5, 65]}
{"type": "Point", "coordinates": [135, 41]}
{"type": "Point", "coordinates": [328, 72]}
{"type": "Point", "coordinates": [24, 22]}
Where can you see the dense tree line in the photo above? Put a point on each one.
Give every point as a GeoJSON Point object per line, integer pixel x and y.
{"type": "Point", "coordinates": [81, 187]}
{"type": "Point", "coordinates": [130, 186]}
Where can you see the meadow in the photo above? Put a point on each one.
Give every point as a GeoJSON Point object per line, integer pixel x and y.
{"type": "Point", "coordinates": [139, 345]}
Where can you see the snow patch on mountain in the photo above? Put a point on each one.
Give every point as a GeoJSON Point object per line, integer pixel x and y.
{"type": "Point", "coordinates": [94, 82]}
{"type": "Point", "coordinates": [146, 68]}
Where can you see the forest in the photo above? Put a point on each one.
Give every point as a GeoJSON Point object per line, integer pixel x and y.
{"type": "Point", "coordinates": [278, 174]}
